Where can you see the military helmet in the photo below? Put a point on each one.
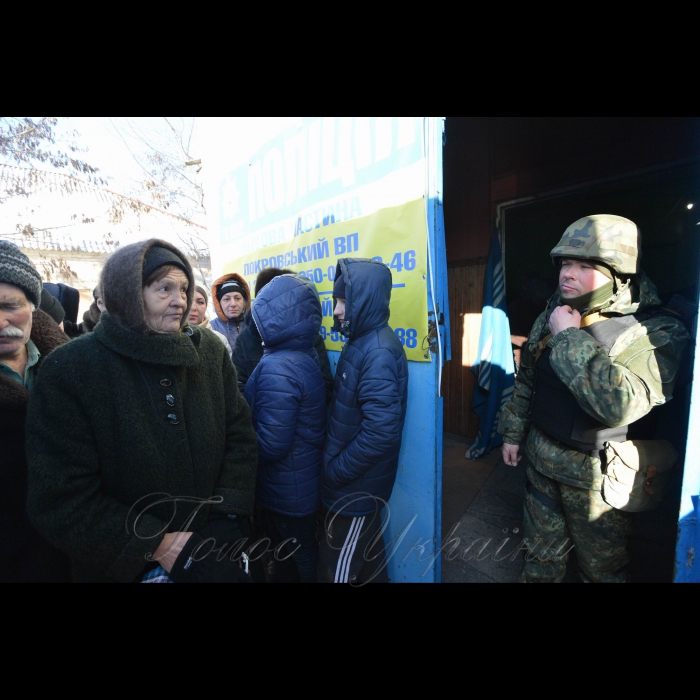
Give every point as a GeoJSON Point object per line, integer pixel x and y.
{"type": "Point", "coordinates": [605, 238]}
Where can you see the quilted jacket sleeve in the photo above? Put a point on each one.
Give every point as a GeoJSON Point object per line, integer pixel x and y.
{"type": "Point", "coordinates": [328, 380]}
{"type": "Point", "coordinates": [380, 429]}
{"type": "Point", "coordinates": [274, 397]}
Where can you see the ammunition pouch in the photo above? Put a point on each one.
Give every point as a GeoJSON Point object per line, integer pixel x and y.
{"type": "Point", "coordinates": [637, 473]}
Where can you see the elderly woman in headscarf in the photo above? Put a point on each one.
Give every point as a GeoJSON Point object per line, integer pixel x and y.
{"type": "Point", "coordinates": [141, 451]}
{"type": "Point", "coordinates": [198, 315]}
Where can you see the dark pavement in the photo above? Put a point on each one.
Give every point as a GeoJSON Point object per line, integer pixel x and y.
{"type": "Point", "coordinates": [482, 521]}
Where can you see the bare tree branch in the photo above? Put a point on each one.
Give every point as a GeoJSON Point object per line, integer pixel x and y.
{"type": "Point", "coordinates": [34, 128]}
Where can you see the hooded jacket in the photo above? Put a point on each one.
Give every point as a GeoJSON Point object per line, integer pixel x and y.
{"type": "Point", "coordinates": [368, 408]}
{"type": "Point", "coordinates": [134, 434]}
{"type": "Point", "coordinates": [25, 557]}
{"type": "Point", "coordinates": [287, 397]}
{"type": "Point", "coordinates": [249, 352]}
{"type": "Point", "coordinates": [616, 386]}
{"type": "Point", "coordinates": [230, 328]}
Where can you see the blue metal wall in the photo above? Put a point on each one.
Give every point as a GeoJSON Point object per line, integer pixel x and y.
{"type": "Point", "coordinates": [414, 513]}
{"type": "Point", "coordinates": [688, 548]}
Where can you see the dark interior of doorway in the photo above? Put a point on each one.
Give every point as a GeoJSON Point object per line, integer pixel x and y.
{"type": "Point", "coordinates": [666, 207]}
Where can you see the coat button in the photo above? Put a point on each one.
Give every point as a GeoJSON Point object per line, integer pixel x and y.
{"type": "Point", "coordinates": [165, 382]}
{"type": "Point", "coordinates": [170, 399]}
{"type": "Point", "coordinates": [172, 419]}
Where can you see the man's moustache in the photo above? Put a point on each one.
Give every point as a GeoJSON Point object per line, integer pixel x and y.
{"type": "Point", "coordinates": [11, 332]}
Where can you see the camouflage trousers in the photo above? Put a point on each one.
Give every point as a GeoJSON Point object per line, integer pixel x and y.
{"type": "Point", "coordinates": [560, 520]}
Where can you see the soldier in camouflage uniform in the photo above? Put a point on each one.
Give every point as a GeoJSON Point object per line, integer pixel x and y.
{"type": "Point", "coordinates": [600, 357]}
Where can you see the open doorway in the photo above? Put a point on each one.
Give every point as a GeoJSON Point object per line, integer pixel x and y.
{"type": "Point", "coordinates": [536, 176]}
{"type": "Point", "coordinates": [666, 207]}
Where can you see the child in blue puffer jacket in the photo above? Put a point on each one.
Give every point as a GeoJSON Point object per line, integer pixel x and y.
{"type": "Point", "coordinates": [286, 394]}
{"type": "Point", "coordinates": [365, 426]}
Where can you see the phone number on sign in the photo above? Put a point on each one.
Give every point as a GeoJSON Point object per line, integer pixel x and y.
{"type": "Point", "coordinates": [407, 336]}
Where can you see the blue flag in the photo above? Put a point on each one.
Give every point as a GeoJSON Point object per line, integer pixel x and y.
{"type": "Point", "coordinates": [495, 368]}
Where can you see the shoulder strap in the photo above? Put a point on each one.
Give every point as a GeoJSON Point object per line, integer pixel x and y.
{"type": "Point", "coordinates": [586, 321]}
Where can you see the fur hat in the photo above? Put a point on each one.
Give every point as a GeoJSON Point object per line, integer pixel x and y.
{"type": "Point", "coordinates": [267, 275]}
{"type": "Point", "coordinates": [16, 269]}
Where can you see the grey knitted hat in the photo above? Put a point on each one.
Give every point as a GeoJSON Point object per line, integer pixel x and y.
{"type": "Point", "coordinates": [17, 270]}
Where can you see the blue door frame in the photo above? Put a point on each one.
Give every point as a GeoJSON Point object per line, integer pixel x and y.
{"type": "Point", "coordinates": [687, 569]}
{"type": "Point", "coordinates": [414, 525]}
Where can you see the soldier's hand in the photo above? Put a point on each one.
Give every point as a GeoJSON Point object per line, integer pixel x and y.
{"type": "Point", "coordinates": [510, 454]}
{"type": "Point", "coordinates": [564, 317]}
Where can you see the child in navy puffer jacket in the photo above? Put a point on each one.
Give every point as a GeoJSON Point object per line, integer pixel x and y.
{"type": "Point", "coordinates": [287, 396]}
{"type": "Point", "coordinates": [365, 426]}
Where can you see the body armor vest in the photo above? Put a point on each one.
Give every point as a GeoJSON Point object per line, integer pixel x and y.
{"type": "Point", "coordinates": [554, 409]}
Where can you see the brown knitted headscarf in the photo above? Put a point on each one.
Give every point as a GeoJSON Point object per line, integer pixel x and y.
{"type": "Point", "coordinates": [121, 283]}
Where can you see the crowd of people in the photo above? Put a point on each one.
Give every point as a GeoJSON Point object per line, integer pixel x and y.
{"type": "Point", "coordinates": [152, 444]}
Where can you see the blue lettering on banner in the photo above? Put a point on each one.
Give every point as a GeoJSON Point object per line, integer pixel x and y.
{"type": "Point", "coordinates": [408, 337]}
{"type": "Point", "coordinates": [325, 159]}
{"type": "Point", "coordinates": [350, 244]}
{"type": "Point", "coordinates": [328, 334]}
{"type": "Point", "coordinates": [400, 262]}
{"type": "Point", "coordinates": [338, 337]}
{"type": "Point", "coordinates": [341, 211]}
{"type": "Point", "coordinates": [309, 253]}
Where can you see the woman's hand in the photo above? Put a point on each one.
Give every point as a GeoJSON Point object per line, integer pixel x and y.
{"type": "Point", "coordinates": [170, 547]}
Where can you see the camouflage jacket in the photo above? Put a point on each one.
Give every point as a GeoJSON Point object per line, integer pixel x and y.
{"type": "Point", "coordinates": [616, 388]}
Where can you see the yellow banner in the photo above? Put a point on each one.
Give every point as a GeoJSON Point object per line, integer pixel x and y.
{"type": "Point", "coordinates": [396, 236]}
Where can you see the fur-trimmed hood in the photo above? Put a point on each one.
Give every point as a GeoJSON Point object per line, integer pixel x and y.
{"type": "Point", "coordinates": [121, 283]}
{"type": "Point", "coordinates": [231, 277]}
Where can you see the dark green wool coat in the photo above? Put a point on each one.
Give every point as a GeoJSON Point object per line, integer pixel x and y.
{"type": "Point", "coordinates": [131, 435]}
